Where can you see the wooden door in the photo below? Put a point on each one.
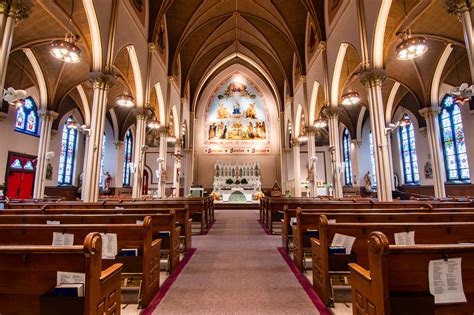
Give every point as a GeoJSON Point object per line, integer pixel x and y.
{"type": "Point", "coordinates": [21, 176]}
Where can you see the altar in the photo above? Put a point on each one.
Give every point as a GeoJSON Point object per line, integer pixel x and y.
{"type": "Point", "coordinates": [237, 182]}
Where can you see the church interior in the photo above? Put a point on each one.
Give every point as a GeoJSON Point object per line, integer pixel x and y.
{"type": "Point", "coordinates": [237, 157]}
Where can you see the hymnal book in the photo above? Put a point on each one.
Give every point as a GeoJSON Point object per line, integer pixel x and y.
{"type": "Point", "coordinates": [312, 233]}
{"type": "Point", "coordinates": [139, 222]}
{"type": "Point", "coordinates": [337, 250]}
{"type": "Point", "coordinates": [69, 289]}
{"type": "Point", "coordinates": [109, 245]}
{"type": "Point", "coordinates": [293, 221]}
{"type": "Point", "coordinates": [128, 252]}
{"type": "Point", "coordinates": [63, 277]}
{"type": "Point", "coordinates": [331, 221]}
{"type": "Point", "coordinates": [445, 279]}
{"type": "Point", "coordinates": [165, 234]}
{"type": "Point", "coordinates": [63, 239]}
{"type": "Point", "coordinates": [52, 222]}
{"type": "Point", "coordinates": [404, 238]}
{"type": "Point", "coordinates": [119, 208]}
{"type": "Point", "coordinates": [341, 240]}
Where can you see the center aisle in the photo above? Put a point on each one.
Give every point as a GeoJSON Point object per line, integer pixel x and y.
{"type": "Point", "coordinates": [236, 269]}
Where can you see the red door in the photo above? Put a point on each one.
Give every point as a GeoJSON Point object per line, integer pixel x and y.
{"type": "Point", "coordinates": [21, 176]}
{"type": "Point", "coordinates": [145, 183]}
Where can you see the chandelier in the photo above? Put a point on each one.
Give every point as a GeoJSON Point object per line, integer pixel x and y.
{"type": "Point", "coordinates": [350, 98]}
{"type": "Point", "coordinates": [66, 49]}
{"type": "Point", "coordinates": [411, 47]}
{"type": "Point", "coordinates": [125, 99]}
{"type": "Point", "coordinates": [154, 124]}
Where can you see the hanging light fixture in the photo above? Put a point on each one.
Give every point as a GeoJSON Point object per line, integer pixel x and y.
{"type": "Point", "coordinates": [154, 124]}
{"type": "Point", "coordinates": [125, 99]}
{"type": "Point", "coordinates": [350, 97]}
{"type": "Point", "coordinates": [66, 49]}
{"type": "Point", "coordinates": [410, 47]}
{"type": "Point", "coordinates": [320, 122]}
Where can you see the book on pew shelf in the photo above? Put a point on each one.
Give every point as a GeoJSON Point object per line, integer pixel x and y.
{"type": "Point", "coordinates": [331, 221]}
{"type": "Point", "coordinates": [292, 220]}
{"type": "Point", "coordinates": [165, 234]}
{"type": "Point", "coordinates": [312, 233]}
{"type": "Point", "coordinates": [139, 222]}
{"type": "Point", "coordinates": [128, 252]}
{"type": "Point", "coordinates": [341, 240]}
{"type": "Point", "coordinates": [64, 277]}
{"type": "Point", "coordinates": [52, 222]}
{"type": "Point", "coordinates": [109, 245]}
{"type": "Point", "coordinates": [337, 250]}
{"type": "Point", "coordinates": [119, 208]}
{"type": "Point", "coordinates": [63, 239]}
{"type": "Point", "coordinates": [69, 289]}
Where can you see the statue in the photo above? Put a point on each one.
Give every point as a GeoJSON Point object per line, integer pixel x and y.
{"type": "Point", "coordinates": [107, 181]}
{"type": "Point", "coordinates": [368, 182]}
{"type": "Point", "coordinates": [236, 110]}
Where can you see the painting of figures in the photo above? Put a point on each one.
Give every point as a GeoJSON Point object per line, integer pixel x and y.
{"type": "Point", "coordinates": [236, 112]}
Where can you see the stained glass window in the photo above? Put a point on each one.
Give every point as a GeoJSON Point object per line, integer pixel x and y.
{"type": "Point", "coordinates": [101, 178]}
{"type": "Point", "coordinates": [453, 139]}
{"type": "Point", "coordinates": [27, 118]}
{"type": "Point", "coordinates": [346, 151]}
{"type": "Point", "coordinates": [408, 152]}
{"type": "Point", "coordinates": [16, 164]}
{"type": "Point", "coordinates": [372, 160]}
{"type": "Point", "coordinates": [68, 153]}
{"type": "Point", "coordinates": [29, 166]}
{"type": "Point", "coordinates": [128, 158]}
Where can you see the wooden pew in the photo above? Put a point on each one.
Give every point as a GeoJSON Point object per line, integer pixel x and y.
{"type": "Point", "coordinates": [394, 269]}
{"type": "Point", "coordinates": [164, 222]}
{"type": "Point", "coordinates": [425, 233]}
{"type": "Point", "coordinates": [27, 272]}
{"type": "Point", "coordinates": [138, 236]}
{"type": "Point", "coordinates": [287, 230]}
{"type": "Point", "coordinates": [182, 216]}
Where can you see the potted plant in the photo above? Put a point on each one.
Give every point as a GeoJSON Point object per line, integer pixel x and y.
{"type": "Point", "coordinates": [229, 181]}
{"type": "Point", "coordinates": [244, 181]}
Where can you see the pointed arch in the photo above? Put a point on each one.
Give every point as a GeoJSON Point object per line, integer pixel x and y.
{"type": "Point", "coordinates": [95, 34]}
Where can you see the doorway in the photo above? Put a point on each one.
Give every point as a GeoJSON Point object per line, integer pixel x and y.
{"type": "Point", "coordinates": [21, 171]}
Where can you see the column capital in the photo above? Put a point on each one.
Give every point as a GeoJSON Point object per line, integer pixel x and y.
{"type": "Point", "coordinates": [356, 142]}
{"type": "Point", "coordinates": [118, 145]}
{"type": "Point", "coordinates": [47, 114]}
{"type": "Point", "coordinates": [311, 130]}
{"type": "Point", "coordinates": [332, 111]}
{"type": "Point", "coordinates": [152, 47]}
{"type": "Point", "coordinates": [373, 76]}
{"type": "Point", "coordinates": [428, 112]}
{"type": "Point", "coordinates": [163, 131]}
{"type": "Point", "coordinates": [16, 9]}
{"type": "Point", "coordinates": [101, 80]}
{"type": "Point", "coordinates": [423, 131]}
{"type": "Point", "coordinates": [322, 45]}
{"type": "Point", "coordinates": [303, 78]}
{"type": "Point", "coordinates": [171, 79]}
{"type": "Point", "coordinates": [178, 143]}
{"type": "Point", "coordinates": [458, 7]}
{"type": "Point", "coordinates": [141, 113]}
{"type": "Point", "coordinates": [295, 142]}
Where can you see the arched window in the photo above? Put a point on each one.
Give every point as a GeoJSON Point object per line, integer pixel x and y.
{"type": "Point", "coordinates": [372, 160]}
{"type": "Point", "coordinates": [454, 144]}
{"type": "Point", "coordinates": [408, 151]}
{"type": "Point", "coordinates": [128, 158]}
{"type": "Point", "coordinates": [101, 178]}
{"type": "Point", "coordinates": [346, 151]}
{"type": "Point", "coordinates": [27, 118]}
{"type": "Point", "coordinates": [68, 154]}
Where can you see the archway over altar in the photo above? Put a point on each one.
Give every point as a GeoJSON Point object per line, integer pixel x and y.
{"type": "Point", "coordinates": [237, 123]}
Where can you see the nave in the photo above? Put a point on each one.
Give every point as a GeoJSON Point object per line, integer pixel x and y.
{"type": "Point", "coordinates": [236, 269]}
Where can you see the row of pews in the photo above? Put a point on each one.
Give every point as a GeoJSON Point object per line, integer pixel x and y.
{"type": "Point", "coordinates": [384, 278]}
{"type": "Point", "coordinates": [152, 230]}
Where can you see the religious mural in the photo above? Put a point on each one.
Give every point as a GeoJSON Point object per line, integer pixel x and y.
{"type": "Point", "coordinates": [236, 112]}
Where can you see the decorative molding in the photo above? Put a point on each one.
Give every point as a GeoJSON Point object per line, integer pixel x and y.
{"type": "Point", "coordinates": [458, 7]}
{"type": "Point", "coordinates": [47, 114]}
{"type": "Point", "coordinates": [332, 111]}
{"type": "Point", "coordinates": [16, 9]}
{"type": "Point", "coordinates": [373, 77]}
{"type": "Point", "coordinates": [295, 142]}
{"type": "Point", "coordinates": [101, 80]}
{"type": "Point", "coordinates": [428, 112]}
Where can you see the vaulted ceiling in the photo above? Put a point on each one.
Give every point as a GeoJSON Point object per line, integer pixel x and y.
{"type": "Point", "coordinates": [202, 33]}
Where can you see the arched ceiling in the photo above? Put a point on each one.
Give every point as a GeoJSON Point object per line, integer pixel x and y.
{"type": "Point", "coordinates": [202, 33]}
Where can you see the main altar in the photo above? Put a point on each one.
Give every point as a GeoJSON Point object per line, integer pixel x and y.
{"type": "Point", "coordinates": [237, 182]}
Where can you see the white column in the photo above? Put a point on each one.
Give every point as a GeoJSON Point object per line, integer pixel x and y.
{"type": "Point", "coordinates": [47, 118]}
{"type": "Point", "coordinates": [162, 161]}
{"type": "Point", "coordinates": [10, 14]}
{"type": "Point", "coordinates": [462, 9]}
{"type": "Point", "coordinates": [433, 137]}
{"type": "Point", "coordinates": [177, 169]}
{"type": "Point", "coordinates": [355, 148]}
{"type": "Point", "coordinates": [101, 83]}
{"type": "Point", "coordinates": [138, 154]}
{"type": "Point", "coordinates": [373, 81]}
{"type": "Point", "coordinates": [119, 165]}
{"type": "Point", "coordinates": [311, 132]}
{"type": "Point", "coordinates": [335, 147]}
{"type": "Point", "coordinates": [296, 166]}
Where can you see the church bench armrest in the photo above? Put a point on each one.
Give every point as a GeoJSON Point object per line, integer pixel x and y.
{"type": "Point", "coordinates": [358, 271]}
{"type": "Point", "coordinates": [111, 272]}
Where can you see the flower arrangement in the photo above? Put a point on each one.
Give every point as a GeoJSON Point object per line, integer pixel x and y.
{"type": "Point", "coordinates": [215, 195]}
{"type": "Point", "coordinates": [244, 181]}
{"type": "Point", "coordinates": [258, 195]}
{"type": "Point", "coordinates": [229, 181]}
